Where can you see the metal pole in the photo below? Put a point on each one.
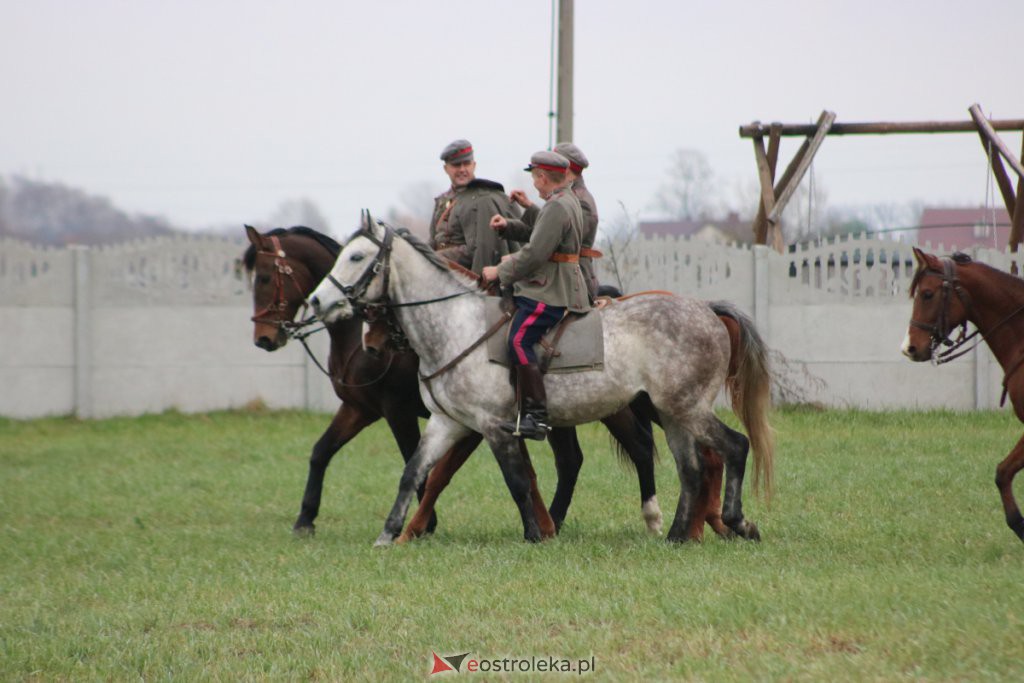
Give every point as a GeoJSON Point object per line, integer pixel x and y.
{"type": "Point", "coordinates": [563, 130]}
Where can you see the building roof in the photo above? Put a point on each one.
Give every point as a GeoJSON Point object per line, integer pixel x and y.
{"type": "Point", "coordinates": [730, 228]}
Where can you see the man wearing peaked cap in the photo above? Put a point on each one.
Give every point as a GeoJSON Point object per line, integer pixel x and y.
{"type": "Point", "coordinates": [547, 282]}
{"type": "Point", "coordinates": [577, 162]}
{"type": "Point", "coordinates": [459, 228]}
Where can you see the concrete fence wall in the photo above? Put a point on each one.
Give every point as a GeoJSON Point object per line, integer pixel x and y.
{"type": "Point", "coordinates": [164, 324]}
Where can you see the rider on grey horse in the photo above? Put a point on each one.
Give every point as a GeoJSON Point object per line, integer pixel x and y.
{"type": "Point", "coordinates": [547, 282]}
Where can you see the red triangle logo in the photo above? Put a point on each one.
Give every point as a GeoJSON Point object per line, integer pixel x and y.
{"type": "Point", "coordinates": [440, 665]}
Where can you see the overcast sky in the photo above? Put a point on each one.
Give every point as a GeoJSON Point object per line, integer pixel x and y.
{"type": "Point", "coordinates": [212, 112]}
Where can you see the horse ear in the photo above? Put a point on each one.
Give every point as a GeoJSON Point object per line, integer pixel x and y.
{"type": "Point", "coordinates": [923, 259]}
{"type": "Point", "coordinates": [253, 235]}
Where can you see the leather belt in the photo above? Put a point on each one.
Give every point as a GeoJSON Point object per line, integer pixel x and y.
{"type": "Point", "coordinates": [590, 253]}
{"type": "Point", "coordinates": [564, 258]}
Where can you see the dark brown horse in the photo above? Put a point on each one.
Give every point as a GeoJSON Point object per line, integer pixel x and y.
{"type": "Point", "coordinates": [285, 266]}
{"type": "Point", "coordinates": [948, 293]}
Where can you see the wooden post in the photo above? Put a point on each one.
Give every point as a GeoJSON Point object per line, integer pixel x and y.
{"type": "Point", "coordinates": [986, 129]}
{"type": "Point", "coordinates": [766, 162]}
{"type": "Point", "coordinates": [563, 126]}
{"type": "Point", "coordinates": [774, 199]}
{"type": "Point", "coordinates": [1017, 217]}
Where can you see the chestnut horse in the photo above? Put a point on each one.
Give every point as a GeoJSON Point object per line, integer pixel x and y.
{"type": "Point", "coordinates": [285, 266]}
{"type": "Point", "coordinates": [950, 292]}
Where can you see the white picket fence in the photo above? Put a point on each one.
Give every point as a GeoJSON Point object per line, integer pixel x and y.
{"type": "Point", "coordinates": [164, 324]}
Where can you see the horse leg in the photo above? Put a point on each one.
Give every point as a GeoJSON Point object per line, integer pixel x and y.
{"type": "Point", "coordinates": [346, 423]}
{"type": "Point", "coordinates": [635, 436]}
{"type": "Point", "coordinates": [509, 454]}
{"type": "Point", "coordinates": [691, 482]}
{"type": "Point", "coordinates": [544, 521]}
{"type": "Point", "coordinates": [733, 447]}
{"type": "Point", "coordinates": [1005, 472]}
{"type": "Point", "coordinates": [438, 438]}
{"type": "Point", "coordinates": [437, 482]}
{"type": "Point", "coordinates": [713, 467]}
{"type": "Point", "coordinates": [568, 461]}
{"type": "Point", "coordinates": [405, 427]}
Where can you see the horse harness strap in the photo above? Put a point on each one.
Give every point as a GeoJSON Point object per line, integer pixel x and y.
{"type": "Point", "coordinates": [459, 358]}
{"type": "Point", "coordinates": [551, 350]}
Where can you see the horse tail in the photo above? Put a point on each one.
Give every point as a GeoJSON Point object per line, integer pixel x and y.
{"type": "Point", "coordinates": [749, 387]}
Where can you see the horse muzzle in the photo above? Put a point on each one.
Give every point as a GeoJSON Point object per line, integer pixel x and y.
{"type": "Point", "coordinates": [330, 311]}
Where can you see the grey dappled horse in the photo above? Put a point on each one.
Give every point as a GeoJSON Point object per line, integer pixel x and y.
{"type": "Point", "coordinates": [673, 349]}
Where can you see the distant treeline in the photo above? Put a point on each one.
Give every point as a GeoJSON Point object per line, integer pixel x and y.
{"type": "Point", "coordinates": [52, 213]}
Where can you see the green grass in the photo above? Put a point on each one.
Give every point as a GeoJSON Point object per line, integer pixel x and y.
{"type": "Point", "coordinates": [160, 548]}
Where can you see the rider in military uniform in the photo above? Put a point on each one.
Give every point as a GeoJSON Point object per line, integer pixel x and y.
{"type": "Point", "coordinates": [548, 281]}
{"type": "Point", "coordinates": [460, 227]}
{"type": "Point", "coordinates": [520, 231]}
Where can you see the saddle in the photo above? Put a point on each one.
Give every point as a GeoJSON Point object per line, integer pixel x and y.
{"type": "Point", "coordinates": [575, 344]}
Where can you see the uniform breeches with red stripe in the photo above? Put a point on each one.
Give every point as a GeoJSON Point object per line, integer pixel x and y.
{"type": "Point", "coordinates": [531, 321]}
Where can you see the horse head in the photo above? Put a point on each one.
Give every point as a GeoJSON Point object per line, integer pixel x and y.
{"type": "Point", "coordinates": [359, 275]}
{"type": "Point", "coordinates": [941, 304]}
{"type": "Point", "coordinates": [281, 275]}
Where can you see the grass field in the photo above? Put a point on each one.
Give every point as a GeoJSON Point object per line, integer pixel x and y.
{"type": "Point", "coordinates": [160, 548]}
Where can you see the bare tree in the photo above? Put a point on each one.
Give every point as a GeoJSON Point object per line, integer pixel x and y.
{"type": "Point", "coordinates": [416, 206]}
{"type": "Point", "coordinates": [619, 235]}
{"type": "Point", "coordinates": [301, 211]}
{"type": "Point", "coordinates": [688, 192]}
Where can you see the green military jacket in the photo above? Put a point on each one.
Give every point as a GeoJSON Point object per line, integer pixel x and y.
{"type": "Point", "coordinates": [470, 240]}
{"type": "Point", "coordinates": [439, 220]}
{"type": "Point", "coordinates": [520, 230]}
{"type": "Point", "coordinates": [558, 228]}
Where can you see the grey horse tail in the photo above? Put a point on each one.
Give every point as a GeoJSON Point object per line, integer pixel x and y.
{"type": "Point", "coordinates": [749, 386]}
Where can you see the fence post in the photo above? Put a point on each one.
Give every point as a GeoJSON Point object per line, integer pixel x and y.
{"type": "Point", "coordinates": [760, 283]}
{"type": "Point", "coordinates": [982, 378]}
{"type": "Point", "coordinates": [82, 297]}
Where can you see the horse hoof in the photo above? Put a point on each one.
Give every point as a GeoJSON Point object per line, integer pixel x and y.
{"type": "Point", "coordinates": [385, 540]}
{"type": "Point", "coordinates": [304, 531]}
{"type": "Point", "coordinates": [674, 538]}
{"type": "Point", "coordinates": [652, 516]}
{"type": "Point", "coordinates": [748, 530]}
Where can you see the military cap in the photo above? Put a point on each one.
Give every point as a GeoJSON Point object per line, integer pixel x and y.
{"type": "Point", "coordinates": [577, 159]}
{"type": "Point", "coordinates": [549, 161]}
{"type": "Point", "coordinates": [460, 150]}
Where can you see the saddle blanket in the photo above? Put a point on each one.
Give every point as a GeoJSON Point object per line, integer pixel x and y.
{"type": "Point", "coordinates": [579, 348]}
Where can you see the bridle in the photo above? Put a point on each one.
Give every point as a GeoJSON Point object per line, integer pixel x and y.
{"type": "Point", "coordinates": [379, 265]}
{"type": "Point", "coordinates": [940, 330]}
{"type": "Point", "coordinates": [279, 302]}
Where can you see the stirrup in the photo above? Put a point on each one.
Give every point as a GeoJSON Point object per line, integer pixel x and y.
{"type": "Point", "coordinates": [534, 427]}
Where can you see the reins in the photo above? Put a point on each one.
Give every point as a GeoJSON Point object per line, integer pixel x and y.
{"type": "Point", "coordinates": [294, 330]}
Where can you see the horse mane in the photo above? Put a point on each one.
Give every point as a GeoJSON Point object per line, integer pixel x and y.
{"type": "Point", "coordinates": [249, 257]}
{"type": "Point", "coordinates": [424, 249]}
{"type": "Point", "coordinates": [962, 259]}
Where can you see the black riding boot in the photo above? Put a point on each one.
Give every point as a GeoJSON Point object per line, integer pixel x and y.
{"type": "Point", "coordinates": [533, 411]}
